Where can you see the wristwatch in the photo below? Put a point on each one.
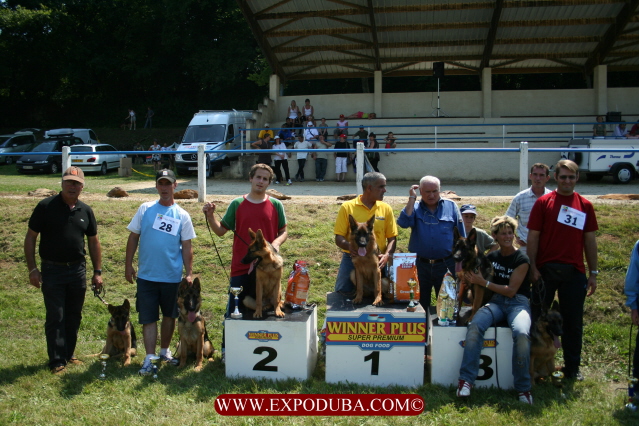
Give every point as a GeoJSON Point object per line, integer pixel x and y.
{"type": "Point", "coordinates": [594, 272]}
{"type": "Point", "coordinates": [97, 271]}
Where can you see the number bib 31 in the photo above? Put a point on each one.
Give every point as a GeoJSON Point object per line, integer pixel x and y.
{"type": "Point", "coordinates": [166, 224]}
{"type": "Point", "coordinates": [572, 217]}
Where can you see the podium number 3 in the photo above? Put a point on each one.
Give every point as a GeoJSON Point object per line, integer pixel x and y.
{"type": "Point", "coordinates": [484, 366]}
{"type": "Point", "coordinates": [373, 357]}
{"type": "Point", "coordinates": [263, 364]}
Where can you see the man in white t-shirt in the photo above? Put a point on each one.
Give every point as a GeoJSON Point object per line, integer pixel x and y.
{"type": "Point", "coordinates": [301, 157]}
{"type": "Point", "coordinates": [163, 231]}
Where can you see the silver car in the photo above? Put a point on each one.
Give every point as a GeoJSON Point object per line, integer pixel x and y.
{"type": "Point", "coordinates": [103, 159]}
{"type": "Point", "coordinates": [17, 142]}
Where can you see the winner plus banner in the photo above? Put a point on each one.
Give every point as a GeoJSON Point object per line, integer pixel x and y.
{"type": "Point", "coordinates": [375, 331]}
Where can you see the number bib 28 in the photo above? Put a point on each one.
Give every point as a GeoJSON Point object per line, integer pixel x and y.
{"type": "Point", "coordinates": [166, 224]}
{"type": "Point", "coordinates": [571, 217]}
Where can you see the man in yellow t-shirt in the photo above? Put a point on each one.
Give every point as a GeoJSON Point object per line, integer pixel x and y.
{"type": "Point", "coordinates": [265, 131]}
{"type": "Point", "coordinates": [362, 208]}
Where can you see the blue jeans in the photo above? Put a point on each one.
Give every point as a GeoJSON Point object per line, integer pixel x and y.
{"type": "Point", "coordinates": [343, 283]}
{"type": "Point", "coordinates": [320, 167]}
{"type": "Point", "coordinates": [63, 288]}
{"type": "Point", "coordinates": [516, 311]}
{"type": "Point", "coordinates": [430, 277]}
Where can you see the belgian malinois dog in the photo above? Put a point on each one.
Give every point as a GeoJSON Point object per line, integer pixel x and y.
{"type": "Point", "coordinates": [194, 338]}
{"type": "Point", "coordinates": [121, 339]}
{"type": "Point", "coordinates": [268, 275]}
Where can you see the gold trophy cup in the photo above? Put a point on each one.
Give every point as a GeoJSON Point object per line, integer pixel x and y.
{"type": "Point", "coordinates": [412, 306]}
{"type": "Point", "coordinates": [103, 360]}
{"type": "Point", "coordinates": [236, 292]}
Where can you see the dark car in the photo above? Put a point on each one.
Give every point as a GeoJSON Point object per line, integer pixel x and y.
{"type": "Point", "coordinates": [17, 142]}
{"type": "Point", "coordinates": [46, 163]}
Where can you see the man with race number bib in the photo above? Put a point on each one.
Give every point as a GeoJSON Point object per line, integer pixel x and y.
{"type": "Point", "coordinates": [561, 229]}
{"type": "Point", "coordinates": [163, 230]}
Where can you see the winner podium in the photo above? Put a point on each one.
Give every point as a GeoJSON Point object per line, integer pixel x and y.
{"type": "Point", "coordinates": [372, 345]}
{"type": "Point", "coordinates": [272, 348]}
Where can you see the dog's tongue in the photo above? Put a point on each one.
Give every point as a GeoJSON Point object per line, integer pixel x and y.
{"type": "Point", "coordinates": [191, 316]}
{"type": "Point", "coordinates": [557, 342]}
{"type": "Point", "coordinates": [252, 266]}
{"type": "Point", "coordinates": [458, 267]}
{"type": "Point", "coordinates": [361, 251]}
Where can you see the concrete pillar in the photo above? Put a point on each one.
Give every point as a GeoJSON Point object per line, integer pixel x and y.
{"type": "Point", "coordinates": [487, 93]}
{"type": "Point", "coordinates": [274, 88]}
{"type": "Point", "coordinates": [377, 100]}
{"type": "Point", "coordinates": [600, 84]}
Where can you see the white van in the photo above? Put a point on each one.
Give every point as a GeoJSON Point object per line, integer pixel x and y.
{"type": "Point", "coordinates": [622, 166]}
{"type": "Point", "coordinates": [87, 135]}
{"type": "Point", "coordinates": [216, 129]}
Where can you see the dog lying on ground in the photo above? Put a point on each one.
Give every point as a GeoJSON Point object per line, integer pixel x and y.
{"type": "Point", "coordinates": [268, 276]}
{"type": "Point", "coordinates": [194, 338]}
{"type": "Point", "coordinates": [366, 276]}
{"type": "Point", "coordinates": [121, 340]}
{"type": "Point", "coordinates": [544, 342]}
{"type": "Point", "coordinates": [468, 259]}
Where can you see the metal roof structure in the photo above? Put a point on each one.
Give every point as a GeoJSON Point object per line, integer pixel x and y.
{"type": "Point", "coordinates": [311, 39]}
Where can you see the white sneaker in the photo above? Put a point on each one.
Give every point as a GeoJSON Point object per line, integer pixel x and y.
{"type": "Point", "coordinates": [168, 358]}
{"type": "Point", "coordinates": [289, 182]}
{"type": "Point", "coordinates": [277, 182]}
{"type": "Point", "coordinates": [147, 368]}
{"type": "Point", "coordinates": [463, 389]}
{"type": "Point", "coordinates": [525, 397]}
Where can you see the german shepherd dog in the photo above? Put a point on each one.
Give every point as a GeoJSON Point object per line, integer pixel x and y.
{"type": "Point", "coordinates": [121, 340]}
{"type": "Point", "coordinates": [544, 342]}
{"type": "Point", "coordinates": [468, 259]}
{"type": "Point", "coordinates": [366, 276]}
{"type": "Point", "coordinates": [194, 338]}
{"type": "Point", "coordinates": [268, 275]}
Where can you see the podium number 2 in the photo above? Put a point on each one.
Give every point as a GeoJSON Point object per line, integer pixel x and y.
{"type": "Point", "coordinates": [373, 357]}
{"type": "Point", "coordinates": [263, 364]}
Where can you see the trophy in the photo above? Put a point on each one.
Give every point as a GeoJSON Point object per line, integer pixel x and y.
{"type": "Point", "coordinates": [412, 306]}
{"type": "Point", "coordinates": [557, 377]}
{"type": "Point", "coordinates": [154, 360]}
{"type": "Point", "coordinates": [236, 292]}
{"type": "Point", "coordinates": [103, 358]}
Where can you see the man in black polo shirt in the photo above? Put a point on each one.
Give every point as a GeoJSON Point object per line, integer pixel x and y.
{"type": "Point", "coordinates": [63, 221]}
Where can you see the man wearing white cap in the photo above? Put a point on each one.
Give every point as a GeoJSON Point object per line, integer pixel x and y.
{"type": "Point", "coordinates": [163, 230]}
{"type": "Point", "coordinates": [62, 221]}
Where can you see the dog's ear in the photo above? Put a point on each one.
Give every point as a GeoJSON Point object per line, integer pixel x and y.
{"type": "Point", "coordinates": [260, 237]}
{"type": "Point", "coordinates": [126, 304]}
{"type": "Point", "coordinates": [472, 236]}
{"type": "Point", "coordinates": [371, 223]}
{"type": "Point", "coordinates": [555, 306]}
{"type": "Point", "coordinates": [251, 234]}
{"type": "Point", "coordinates": [196, 284]}
{"type": "Point", "coordinates": [455, 234]}
{"type": "Point", "coordinates": [352, 222]}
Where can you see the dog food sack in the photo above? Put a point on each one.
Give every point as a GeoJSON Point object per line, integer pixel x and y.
{"type": "Point", "coordinates": [447, 301]}
{"type": "Point", "coordinates": [403, 269]}
{"type": "Point", "coordinates": [298, 283]}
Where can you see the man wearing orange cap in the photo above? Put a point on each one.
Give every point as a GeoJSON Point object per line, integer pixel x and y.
{"type": "Point", "coordinates": [62, 221]}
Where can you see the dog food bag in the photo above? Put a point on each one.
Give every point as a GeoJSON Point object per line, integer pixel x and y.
{"type": "Point", "coordinates": [403, 269]}
{"type": "Point", "coordinates": [298, 284]}
{"type": "Point", "coordinates": [447, 301]}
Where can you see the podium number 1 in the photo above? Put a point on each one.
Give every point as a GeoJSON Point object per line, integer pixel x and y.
{"type": "Point", "coordinates": [373, 357]}
{"type": "Point", "coordinates": [263, 364]}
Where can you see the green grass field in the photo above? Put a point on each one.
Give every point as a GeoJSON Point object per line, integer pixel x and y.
{"type": "Point", "coordinates": [30, 395]}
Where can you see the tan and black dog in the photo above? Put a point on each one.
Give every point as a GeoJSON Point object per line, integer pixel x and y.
{"type": "Point", "coordinates": [366, 276]}
{"type": "Point", "coordinates": [194, 338]}
{"type": "Point", "coordinates": [268, 275]}
{"type": "Point", "coordinates": [121, 339]}
{"type": "Point", "coordinates": [544, 342]}
{"type": "Point", "coordinates": [468, 259]}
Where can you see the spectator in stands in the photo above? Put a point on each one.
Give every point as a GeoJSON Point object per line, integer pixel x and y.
{"type": "Point", "coordinates": [322, 129]}
{"type": "Point", "coordinates": [264, 143]}
{"type": "Point", "coordinates": [341, 159]}
{"type": "Point", "coordinates": [373, 157]}
{"type": "Point", "coordinates": [360, 114]}
{"type": "Point", "coordinates": [294, 114]}
{"type": "Point", "coordinates": [301, 157]}
{"type": "Point", "coordinates": [265, 131]}
{"type": "Point", "coordinates": [310, 132]}
{"type": "Point", "coordinates": [391, 142]}
{"type": "Point", "coordinates": [341, 127]}
{"type": "Point", "coordinates": [599, 129]}
{"type": "Point", "coordinates": [281, 160]}
{"type": "Point", "coordinates": [309, 111]}
{"type": "Point", "coordinates": [286, 133]}
{"type": "Point", "coordinates": [321, 158]}
{"type": "Point", "coordinates": [634, 130]}
{"type": "Point", "coordinates": [620, 130]}
{"type": "Point", "coordinates": [360, 136]}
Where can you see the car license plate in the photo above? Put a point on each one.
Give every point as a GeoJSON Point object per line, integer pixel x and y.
{"type": "Point", "coordinates": [28, 167]}
{"type": "Point", "coordinates": [76, 161]}
{"type": "Point", "coordinates": [192, 168]}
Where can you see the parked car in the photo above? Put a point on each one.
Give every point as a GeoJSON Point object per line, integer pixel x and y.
{"type": "Point", "coordinates": [87, 135]}
{"type": "Point", "coordinates": [46, 163]}
{"type": "Point", "coordinates": [104, 159]}
{"type": "Point", "coordinates": [16, 142]}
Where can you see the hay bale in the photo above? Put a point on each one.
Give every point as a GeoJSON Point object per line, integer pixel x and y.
{"type": "Point", "coordinates": [346, 197]}
{"type": "Point", "coordinates": [451, 195]}
{"type": "Point", "coordinates": [117, 192]}
{"type": "Point", "coordinates": [42, 192]}
{"type": "Point", "coordinates": [619, 197]}
{"type": "Point", "coordinates": [185, 194]}
{"type": "Point", "coordinates": [276, 194]}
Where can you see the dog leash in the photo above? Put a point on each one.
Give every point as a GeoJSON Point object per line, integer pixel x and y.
{"type": "Point", "coordinates": [228, 278]}
{"type": "Point", "coordinates": [99, 292]}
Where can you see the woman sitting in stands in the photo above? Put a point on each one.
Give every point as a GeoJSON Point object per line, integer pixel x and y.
{"type": "Point", "coordinates": [511, 291]}
{"type": "Point", "coordinates": [599, 129]}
